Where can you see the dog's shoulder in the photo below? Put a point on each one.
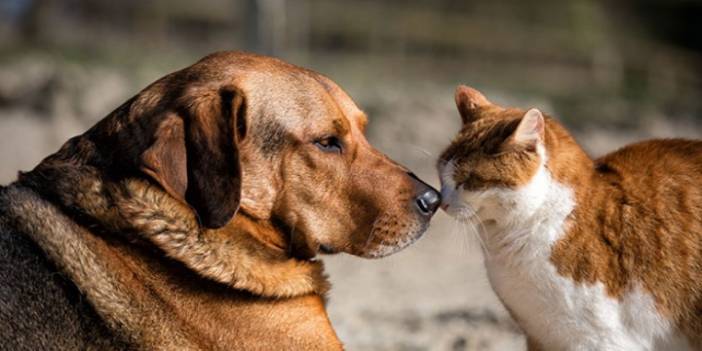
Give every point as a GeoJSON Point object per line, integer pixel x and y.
{"type": "Point", "coordinates": [40, 308]}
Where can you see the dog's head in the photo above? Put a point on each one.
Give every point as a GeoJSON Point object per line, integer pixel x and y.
{"type": "Point", "coordinates": [278, 143]}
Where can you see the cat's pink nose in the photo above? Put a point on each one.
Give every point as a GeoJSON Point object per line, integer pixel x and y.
{"type": "Point", "coordinates": [444, 206]}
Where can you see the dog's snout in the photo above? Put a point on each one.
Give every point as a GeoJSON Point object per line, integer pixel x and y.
{"type": "Point", "coordinates": [428, 199]}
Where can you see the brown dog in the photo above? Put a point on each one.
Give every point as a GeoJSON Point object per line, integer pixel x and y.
{"type": "Point", "coordinates": [190, 216]}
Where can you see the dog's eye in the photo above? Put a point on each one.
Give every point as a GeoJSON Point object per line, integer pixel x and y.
{"type": "Point", "coordinates": [329, 144]}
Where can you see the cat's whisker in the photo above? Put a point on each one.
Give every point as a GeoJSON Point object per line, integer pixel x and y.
{"type": "Point", "coordinates": [480, 232]}
{"type": "Point", "coordinates": [465, 237]}
{"type": "Point", "coordinates": [422, 150]}
{"type": "Point", "coordinates": [482, 242]}
{"type": "Point", "coordinates": [455, 229]}
{"type": "Point", "coordinates": [467, 218]}
{"type": "Point", "coordinates": [467, 230]}
{"type": "Point", "coordinates": [464, 214]}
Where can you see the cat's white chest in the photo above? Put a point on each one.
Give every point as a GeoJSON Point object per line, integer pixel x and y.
{"type": "Point", "coordinates": [555, 310]}
{"type": "Point", "coordinates": [564, 315]}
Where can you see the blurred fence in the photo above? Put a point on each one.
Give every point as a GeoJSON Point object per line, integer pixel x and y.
{"type": "Point", "coordinates": [592, 60]}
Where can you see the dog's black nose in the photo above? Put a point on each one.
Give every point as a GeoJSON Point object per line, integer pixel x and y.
{"type": "Point", "coordinates": [428, 199]}
{"type": "Point", "coordinates": [428, 202]}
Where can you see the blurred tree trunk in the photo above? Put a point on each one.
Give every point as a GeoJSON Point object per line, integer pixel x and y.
{"type": "Point", "coordinates": [251, 27]}
{"type": "Point", "coordinates": [266, 22]}
{"type": "Point", "coordinates": [30, 24]}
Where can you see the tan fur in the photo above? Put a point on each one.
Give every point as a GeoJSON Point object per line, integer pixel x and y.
{"type": "Point", "coordinates": [95, 270]}
{"type": "Point", "coordinates": [638, 215]}
{"type": "Point", "coordinates": [141, 297]}
{"type": "Point", "coordinates": [191, 216]}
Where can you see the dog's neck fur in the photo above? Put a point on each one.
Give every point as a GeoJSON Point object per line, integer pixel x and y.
{"type": "Point", "coordinates": [242, 254]}
{"type": "Point", "coordinates": [91, 265]}
{"type": "Point", "coordinates": [152, 300]}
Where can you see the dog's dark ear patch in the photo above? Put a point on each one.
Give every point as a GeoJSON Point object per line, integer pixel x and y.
{"type": "Point", "coordinates": [194, 156]}
{"type": "Point", "coordinates": [271, 135]}
{"type": "Point", "coordinates": [214, 172]}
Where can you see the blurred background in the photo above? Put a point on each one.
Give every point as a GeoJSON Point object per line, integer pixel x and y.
{"type": "Point", "coordinates": [612, 71]}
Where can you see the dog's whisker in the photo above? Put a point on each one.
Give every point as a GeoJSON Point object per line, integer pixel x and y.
{"type": "Point", "coordinates": [372, 233]}
{"type": "Point", "coordinates": [378, 252]}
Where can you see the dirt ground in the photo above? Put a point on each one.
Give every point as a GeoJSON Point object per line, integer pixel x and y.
{"type": "Point", "coordinates": [431, 296]}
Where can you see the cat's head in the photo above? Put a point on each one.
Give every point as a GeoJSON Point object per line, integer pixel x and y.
{"type": "Point", "coordinates": [494, 165]}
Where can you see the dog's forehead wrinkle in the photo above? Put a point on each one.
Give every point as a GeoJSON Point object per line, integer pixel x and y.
{"type": "Point", "coordinates": [271, 135]}
{"type": "Point", "coordinates": [306, 107]}
{"type": "Point", "coordinates": [341, 99]}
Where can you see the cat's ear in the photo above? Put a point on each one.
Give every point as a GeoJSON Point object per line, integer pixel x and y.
{"type": "Point", "coordinates": [530, 131]}
{"type": "Point", "coordinates": [469, 101]}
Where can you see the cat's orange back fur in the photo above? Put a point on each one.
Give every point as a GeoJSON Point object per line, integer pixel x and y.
{"type": "Point", "coordinates": [639, 220]}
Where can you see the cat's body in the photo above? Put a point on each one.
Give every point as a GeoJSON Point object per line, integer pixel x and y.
{"type": "Point", "coordinates": [586, 255]}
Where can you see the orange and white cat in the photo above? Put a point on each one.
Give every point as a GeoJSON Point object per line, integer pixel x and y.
{"type": "Point", "coordinates": [586, 254]}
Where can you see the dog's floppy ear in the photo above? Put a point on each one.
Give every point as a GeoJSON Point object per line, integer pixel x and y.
{"type": "Point", "coordinates": [194, 154]}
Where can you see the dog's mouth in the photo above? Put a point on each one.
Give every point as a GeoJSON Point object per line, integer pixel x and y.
{"type": "Point", "coordinates": [390, 235]}
{"type": "Point", "coordinates": [389, 248]}
{"type": "Point", "coordinates": [381, 241]}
